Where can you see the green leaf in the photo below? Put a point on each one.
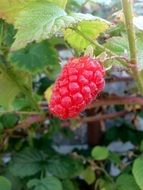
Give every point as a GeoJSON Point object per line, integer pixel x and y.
{"type": "Point", "coordinates": [89, 175]}
{"type": "Point", "coordinates": [138, 171]}
{"type": "Point", "coordinates": [100, 153]}
{"type": "Point", "coordinates": [5, 184]}
{"type": "Point", "coordinates": [126, 181]}
{"type": "Point", "coordinates": [89, 25]}
{"type": "Point", "coordinates": [8, 90]}
{"type": "Point", "coordinates": [106, 185]}
{"type": "Point", "coordinates": [26, 163]}
{"type": "Point", "coordinates": [1, 127]}
{"type": "Point", "coordinates": [114, 157]}
{"type": "Point", "coordinates": [16, 182]}
{"type": "Point", "coordinates": [68, 185]}
{"type": "Point", "coordinates": [35, 57]}
{"type": "Point", "coordinates": [9, 9]}
{"type": "Point", "coordinates": [76, 3]}
{"type": "Point", "coordinates": [48, 183]}
{"type": "Point", "coordinates": [9, 120]}
{"type": "Point", "coordinates": [7, 33]}
{"type": "Point", "coordinates": [64, 167]}
{"type": "Point", "coordinates": [141, 146]}
{"type": "Point", "coordinates": [61, 3]}
{"type": "Point", "coordinates": [38, 21]}
{"type": "Point", "coordinates": [22, 103]}
{"type": "Point", "coordinates": [118, 45]}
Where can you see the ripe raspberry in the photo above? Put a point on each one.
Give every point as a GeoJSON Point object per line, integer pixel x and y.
{"type": "Point", "coordinates": [79, 82]}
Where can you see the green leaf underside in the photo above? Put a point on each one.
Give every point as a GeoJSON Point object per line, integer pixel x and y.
{"type": "Point", "coordinates": [48, 183]}
{"type": "Point", "coordinates": [61, 3]}
{"type": "Point", "coordinates": [35, 57]}
{"type": "Point", "coordinates": [9, 9]}
{"type": "Point", "coordinates": [26, 163]}
{"type": "Point", "coordinates": [39, 21]}
{"type": "Point", "coordinates": [119, 45]}
{"type": "Point", "coordinates": [42, 20]}
{"type": "Point", "coordinates": [89, 25]}
{"type": "Point", "coordinates": [138, 171]}
{"type": "Point", "coordinates": [126, 181]}
{"type": "Point", "coordinates": [5, 184]}
{"type": "Point", "coordinates": [100, 153]}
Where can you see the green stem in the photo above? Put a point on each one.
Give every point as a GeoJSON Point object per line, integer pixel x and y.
{"type": "Point", "coordinates": [95, 43]}
{"type": "Point", "coordinates": [105, 173]}
{"type": "Point", "coordinates": [128, 14]}
{"type": "Point", "coordinates": [101, 48]}
{"type": "Point", "coordinates": [12, 75]}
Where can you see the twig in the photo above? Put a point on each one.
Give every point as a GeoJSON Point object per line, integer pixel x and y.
{"type": "Point", "coordinates": [114, 100]}
{"type": "Point", "coordinates": [118, 79]}
{"type": "Point", "coordinates": [104, 117]}
{"type": "Point", "coordinates": [27, 123]}
{"type": "Point", "coordinates": [110, 100]}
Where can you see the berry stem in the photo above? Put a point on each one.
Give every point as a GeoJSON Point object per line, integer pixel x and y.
{"type": "Point", "coordinates": [128, 14]}
{"type": "Point", "coordinates": [102, 48]}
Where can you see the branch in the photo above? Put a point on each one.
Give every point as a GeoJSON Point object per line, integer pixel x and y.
{"type": "Point", "coordinates": [27, 122]}
{"type": "Point", "coordinates": [103, 117]}
{"type": "Point", "coordinates": [109, 100]}
{"type": "Point", "coordinates": [128, 14]}
{"type": "Point", "coordinates": [115, 100]}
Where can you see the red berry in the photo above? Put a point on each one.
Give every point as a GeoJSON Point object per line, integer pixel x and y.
{"type": "Point", "coordinates": [79, 82]}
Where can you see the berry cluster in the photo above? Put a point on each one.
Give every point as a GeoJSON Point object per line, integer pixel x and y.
{"type": "Point", "coordinates": [79, 83]}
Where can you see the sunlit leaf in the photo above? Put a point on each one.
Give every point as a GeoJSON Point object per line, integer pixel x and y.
{"type": "Point", "coordinates": [100, 153]}
{"type": "Point", "coordinates": [9, 9]}
{"type": "Point", "coordinates": [89, 175]}
{"type": "Point", "coordinates": [61, 3]}
{"type": "Point", "coordinates": [88, 25]}
{"type": "Point", "coordinates": [38, 21]}
{"type": "Point", "coordinates": [8, 90]}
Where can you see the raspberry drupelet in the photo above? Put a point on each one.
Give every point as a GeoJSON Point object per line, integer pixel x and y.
{"type": "Point", "coordinates": [80, 81]}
